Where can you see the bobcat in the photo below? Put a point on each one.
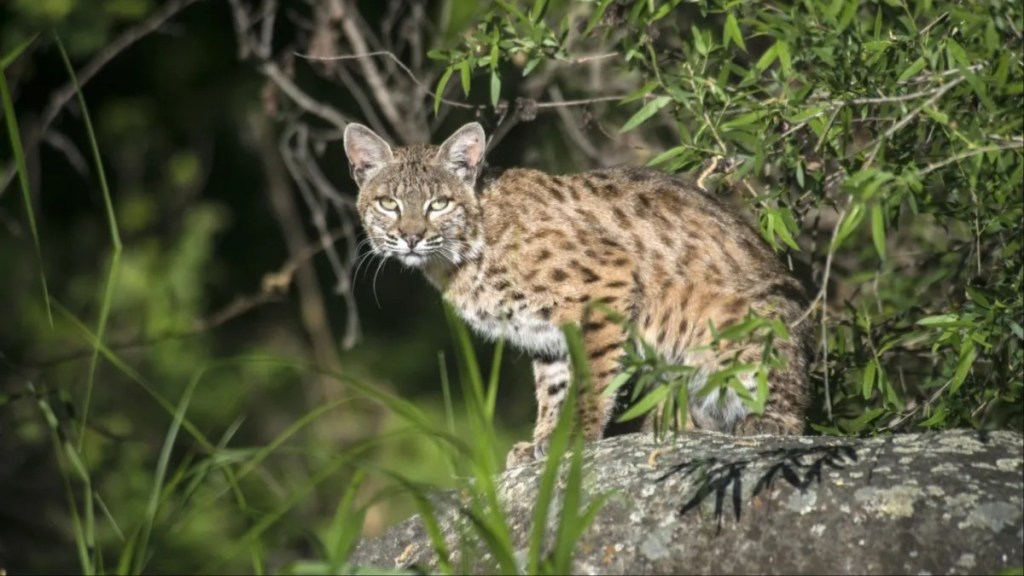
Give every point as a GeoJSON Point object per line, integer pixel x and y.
{"type": "Point", "coordinates": [520, 252]}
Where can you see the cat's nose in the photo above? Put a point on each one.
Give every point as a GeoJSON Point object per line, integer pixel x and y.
{"type": "Point", "coordinates": [412, 240]}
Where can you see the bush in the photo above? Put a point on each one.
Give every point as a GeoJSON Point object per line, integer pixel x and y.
{"type": "Point", "coordinates": [878, 142]}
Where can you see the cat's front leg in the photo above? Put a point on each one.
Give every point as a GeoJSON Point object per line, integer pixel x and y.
{"type": "Point", "coordinates": [602, 342]}
{"type": "Point", "coordinates": [551, 381]}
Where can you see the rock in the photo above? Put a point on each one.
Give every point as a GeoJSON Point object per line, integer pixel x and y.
{"type": "Point", "coordinates": [934, 503]}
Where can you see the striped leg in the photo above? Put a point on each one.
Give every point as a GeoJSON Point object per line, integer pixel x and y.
{"type": "Point", "coordinates": [551, 378]}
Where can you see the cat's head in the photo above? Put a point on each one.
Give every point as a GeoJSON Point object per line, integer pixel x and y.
{"type": "Point", "coordinates": [418, 203]}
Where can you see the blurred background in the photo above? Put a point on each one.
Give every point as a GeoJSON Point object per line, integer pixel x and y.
{"type": "Point", "coordinates": [235, 245]}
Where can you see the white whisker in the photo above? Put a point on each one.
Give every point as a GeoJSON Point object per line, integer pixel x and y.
{"type": "Point", "coordinates": [383, 261]}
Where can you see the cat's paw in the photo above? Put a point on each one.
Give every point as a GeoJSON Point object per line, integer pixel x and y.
{"type": "Point", "coordinates": [520, 454]}
{"type": "Point", "coordinates": [525, 453]}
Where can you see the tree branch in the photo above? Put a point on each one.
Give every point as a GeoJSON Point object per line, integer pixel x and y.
{"type": "Point", "coordinates": [129, 37]}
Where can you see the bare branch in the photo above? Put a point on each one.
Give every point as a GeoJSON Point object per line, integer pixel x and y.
{"type": "Point", "coordinates": [938, 93]}
{"type": "Point", "coordinates": [380, 91]}
{"type": "Point", "coordinates": [64, 144]}
{"type": "Point", "coordinates": [269, 12]}
{"type": "Point", "coordinates": [312, 306]}
{"type": "Point", "coordinates": [130, 36]}
{"type": "Point", "coordinates": [274, 72]}
{"type": "Point", "coordinates": [968, 153]}
{"type": "Point", "coordinates": [580, 102]}
{"type": "Point", "coordinates": [457, 104]}
{"type": "Point", "coordinates": [127, 38]}
{"type": "Point", "coordinates": [570, 124]}
{"type": "Point", "coordinates": [400, 64]}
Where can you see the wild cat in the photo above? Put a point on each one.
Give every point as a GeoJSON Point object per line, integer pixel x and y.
{"type": "Point", "coordinates": [520, 252]}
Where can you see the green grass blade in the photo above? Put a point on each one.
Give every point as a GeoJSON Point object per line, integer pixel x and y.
{"type": "Point", "coordinates": [429, 518]}
{"type": "Point", "coordinates": [470, 369]}
{"type": "Point", "coordinates": [557, 447]}
{"type": "Point", "coordinates": [446, 390]}
{"type": "Point", "coordinates": [110, 517]}
{"type": "Point", "coordinates": [480, 422]}
{"type": "Point", "coordinates": [455, 464]}
{"type": "Point", "coordinates": [346, 526]}
{"type": "Point", "coordinates": [115, 236]}
{"type": "Point", "coordinates": [209, 465]}
{"type": "Point", "coordinates": [299, 495]}
{"type": "Point", "coordinates": [134, 376]}
{"type": "Point", "coordinates": [13, 55]}
{"type": "Point", "coordinates": [496, 542]}
{"type": "Point", "coordinates": [492, 382]}
{"type": "Point", "coordinates": [26, 192]}
{"type": "Point", "coordinates": [568, 524]}
{"type": "Point", "coordinates": [82, 545]}
{"type": "Point", "coordinates": [153, 505]}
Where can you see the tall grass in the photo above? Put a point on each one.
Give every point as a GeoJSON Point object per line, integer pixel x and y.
{"type": "Point", "coordinates": [14, 135]}
{"type": "Point", "coordinates": [193, 473]}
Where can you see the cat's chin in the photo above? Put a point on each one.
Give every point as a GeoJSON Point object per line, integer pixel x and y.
{"type": "Point", "coordinates": [412, 260]}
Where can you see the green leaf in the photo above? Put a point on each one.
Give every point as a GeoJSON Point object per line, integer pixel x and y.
{"type": "Point", "coordinates": [780, 227]}
{"type": "Point", "coordinates": [859, 423]}
{"type": "Point", "coordinates": [878, 230]}
{"type": "Point", "coordinates": [595, 18]}
{"type": "Point", "coordinates": [848, 225]}
{"type": "Point", "coordinates": [530, 66]}
{"type": "Point", "coordinates": [618, 382]}
{"type": "Point", "coordinates": [938, 320]}
{"type": "Point", "coordinates": [912, 70]}
{"type": "Point", "coordinates": [495, 88]}
{"type": "Point", "coordinates": [767, 58]}
{"type": "Point", "coordinates": [744, 120]}
{"type": "Point", "coordinates": [464, 76]}
{"type": "Point", "coordinates": [667, 155]}
{"type": "Point", "coordinates": [808, 113]}
{"type": "Point", "coordinates": [508, 7]}
{"type": "Point", "coordinates": [537, 12]}
{"type": "Point", "coordinates": [642, 115]}
{"type": "Point", "coordinates": [732, 32]}
{"type": "Point", "coordinates": [641, 92]}
{"type": "Point", "coordinates": [698, 41]}
{"type": "Point", "coordinates": [868, 381]}
{"type": "Point", "coordinates": [785, 59]}
{"type": "Point", "coordinates": [441, 84]}
{"type": "Point", "coordinates": [1017, 329]}
{"type": "Point", "coordinates": [646, 403]}
{"type": "Point", "coordinates": [936, 114]}
{"type": "Point", "coordinates": [968, 352]}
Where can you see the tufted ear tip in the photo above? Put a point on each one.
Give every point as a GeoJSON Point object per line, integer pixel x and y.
{"type": "Point", "coordinates": [367, 153]}
{"type": "Point", "coordinates": [463, 152]}
{"type": "Point", "coordinates": [474, 128]}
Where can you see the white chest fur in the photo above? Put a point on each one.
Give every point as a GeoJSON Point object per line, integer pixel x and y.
{"type": "Point", "coordinates": [522, 330]}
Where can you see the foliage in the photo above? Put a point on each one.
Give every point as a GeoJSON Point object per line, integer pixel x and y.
{"type": "Point", "coordinates": [878, 145]}
{"type": "Point", "coordinates": [892, 126]}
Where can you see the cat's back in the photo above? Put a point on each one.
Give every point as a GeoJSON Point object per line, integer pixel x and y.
{"type": "Point", "coordinates": [642, 208]}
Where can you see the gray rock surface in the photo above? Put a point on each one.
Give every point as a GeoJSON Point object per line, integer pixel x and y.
{"type": "Point", "coordinates": [936, 503]}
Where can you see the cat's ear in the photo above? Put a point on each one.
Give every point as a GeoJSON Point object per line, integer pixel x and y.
{"type": "Point", "coordinates": [367, 153]}
{"type": "Point", "coordinates": [462, 153]}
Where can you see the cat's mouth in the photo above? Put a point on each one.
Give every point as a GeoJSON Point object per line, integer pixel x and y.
{"type": "Point", "coordinates": [411, 259]}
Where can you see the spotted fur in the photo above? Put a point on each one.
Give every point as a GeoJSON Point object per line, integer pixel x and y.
{"type": "Point", "coordinates": [520, 252]}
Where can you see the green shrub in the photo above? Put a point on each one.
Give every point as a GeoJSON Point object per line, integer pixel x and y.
{"type": "Point", "coordinates": [878, 142]}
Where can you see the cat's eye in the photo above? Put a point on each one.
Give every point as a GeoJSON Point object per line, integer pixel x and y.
{"type": "Point", "coordinates": [438, 204]}
{"type": "Point", "coordinates": [389, 204]}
